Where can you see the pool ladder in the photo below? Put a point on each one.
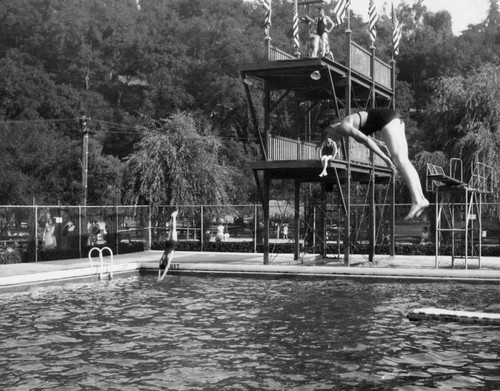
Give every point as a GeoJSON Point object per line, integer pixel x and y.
{"type": "Point", "coordinates": [110, 266]}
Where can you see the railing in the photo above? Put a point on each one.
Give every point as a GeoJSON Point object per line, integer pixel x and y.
{"type": "Point", "coordinates": [282, 148]}
{"type": "Point", "coordinates": [382, 73]}
{"type": "Point", "coordinates": [361, 63]}
{"type": "Point", "coordinates": [360, 59]}
{"type": "Point", "coordinates": [275, 54]}
{"type": "Point", "coordinates": [101, 261]}
{"type": "Point", "coordinates": [482, 177]}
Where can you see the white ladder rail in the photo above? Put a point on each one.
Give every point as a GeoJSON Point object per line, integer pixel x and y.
{"type": "Point", "coordinates": [110, 266]}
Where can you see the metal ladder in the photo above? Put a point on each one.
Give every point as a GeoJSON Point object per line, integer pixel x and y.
{"type": "Point", "coordinates": [110, 266]}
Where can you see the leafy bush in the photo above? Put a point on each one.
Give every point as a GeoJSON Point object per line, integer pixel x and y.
{"type": "Point", "coordinates": [8, 257]}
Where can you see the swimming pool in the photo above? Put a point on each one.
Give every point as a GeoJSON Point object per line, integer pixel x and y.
{"type": "Point", "coordinates": [212, 333]}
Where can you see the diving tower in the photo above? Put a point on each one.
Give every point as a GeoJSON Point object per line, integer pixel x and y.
{"type": "Point", "coordinates": [314, 90]}
{"type": "Point", "coordinates": [459, 208]}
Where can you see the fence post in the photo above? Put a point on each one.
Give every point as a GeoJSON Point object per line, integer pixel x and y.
{"type": "Point", "coordinates": [255, 227]}
{"type": "Point", "coordinates": [202, 230]}
{"type": "Point", "coordinates": [117, 241]}
{"type": "Point", "coordinates": [80, 231]}
{"type": "Point", "coordinates": [36, 233]}
{"type": "Point", "coordinates": [149, 228]}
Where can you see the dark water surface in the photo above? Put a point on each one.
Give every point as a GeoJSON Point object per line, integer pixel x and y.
{"type": "Point", "coordinates": [211, 333]}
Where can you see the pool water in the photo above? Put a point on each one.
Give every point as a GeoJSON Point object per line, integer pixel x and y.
{"type": "Point", "coordinates": [212, 333]}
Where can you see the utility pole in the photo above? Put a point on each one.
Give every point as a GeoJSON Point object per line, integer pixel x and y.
{"type": "Point", "coordinates": [83, 120]}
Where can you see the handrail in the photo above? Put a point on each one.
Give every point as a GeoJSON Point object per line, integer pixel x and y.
{"type": "Point", "coordinates": [282, 148]}
{"type": "Point", "coordinates": [276, 54]}
{"type": "Point", "coordinates": [110, 270]}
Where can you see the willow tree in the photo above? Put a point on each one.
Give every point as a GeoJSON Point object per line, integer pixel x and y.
{"type": "Point", "coordinates": [464, 120]}
{"type": "Point", "coordinates": [177, 163]}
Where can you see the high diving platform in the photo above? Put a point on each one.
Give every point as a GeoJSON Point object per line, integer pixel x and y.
{"type": "Point", "coordinates": [311, 91]}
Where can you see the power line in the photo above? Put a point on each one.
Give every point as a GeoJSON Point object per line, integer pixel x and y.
{"type": "Point", "coordinates": [37, 120]}
{"type": "Point", "coordinates": [99, 130]}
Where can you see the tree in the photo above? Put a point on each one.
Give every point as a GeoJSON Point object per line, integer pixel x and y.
{"type": "Point", "coordinates": [464, 119]}
{"type": "Point", "coordinates": [493, 16]}
{"type": "Point", "coordinates": [177, 162]}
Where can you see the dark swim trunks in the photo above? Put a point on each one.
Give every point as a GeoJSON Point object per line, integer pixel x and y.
{"type": "Point", "coordinates": [169, 247]}
{"type": "Point", "coordinates": [377, 119]}
{"type": "Point", "coordinates": [327, 151]}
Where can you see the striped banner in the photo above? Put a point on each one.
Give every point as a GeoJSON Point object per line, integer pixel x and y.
{"type": "Point", "coordinates": [396, 32]}
{"type": "Point", "coordinates": [340, 11]}
{"type": "Point", "coordinates": [373, 17]}
{"type": "Point", "coordinates": [296, 40]}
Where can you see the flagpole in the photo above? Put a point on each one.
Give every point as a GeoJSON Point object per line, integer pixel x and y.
{"type": "Point", "coordinates": [267, 28]}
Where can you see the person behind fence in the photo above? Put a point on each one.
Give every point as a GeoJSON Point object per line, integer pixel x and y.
{"type": "Point", "coordinates": [285, 231]}
{"type": "Point", "coordinates": [49, 238]}
{"type": "Point", "coordinates": [328, 151]}
{"type": "Point", "coordinates": [324, 24]}
{"type": "Point", "coordinates": [170, 245]}
{"type": "Point", "coordinates": [219, 237]}
{"type": "Point", "coordinates": [393, 150]}
{"type": "Point", "coordinates": [67, 232]}
{"type": "Point", "coordinates": [424, 236]}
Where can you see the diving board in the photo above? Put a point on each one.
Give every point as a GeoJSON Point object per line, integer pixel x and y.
{"type": "Point", "coordinates": [454, 316]}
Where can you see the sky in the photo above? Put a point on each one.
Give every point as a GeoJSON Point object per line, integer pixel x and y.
{"type": "Point", "coordinates": [463, 12]}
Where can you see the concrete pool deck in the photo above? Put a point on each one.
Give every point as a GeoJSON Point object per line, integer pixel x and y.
{"type": "Point", "coordinates": [23, 275]}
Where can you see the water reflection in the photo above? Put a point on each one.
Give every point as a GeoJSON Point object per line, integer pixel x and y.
{"type": "Point", "coordinates": [190, 333]}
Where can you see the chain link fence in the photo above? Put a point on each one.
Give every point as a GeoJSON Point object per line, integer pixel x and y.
{"type": "Point", "coordinates": [40, 233]}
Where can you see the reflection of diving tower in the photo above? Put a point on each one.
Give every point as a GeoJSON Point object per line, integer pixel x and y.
{"type": "Point", "coordinates": [315, 89]}
{"type": "Point", "coordinates": [458, 208]}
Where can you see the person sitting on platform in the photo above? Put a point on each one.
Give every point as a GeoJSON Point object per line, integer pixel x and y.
{"type": "Point", "coordinates": [170, 244]}
{"type": "Point", "coordinates": [328, 152]}
{"type": "Point", "coordinates": [322, 29]}
{"type": "Point", "coordinates": [394, 152]}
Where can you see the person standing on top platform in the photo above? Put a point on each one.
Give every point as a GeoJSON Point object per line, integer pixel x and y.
{"type": "Point", "coordinates": [324, 24]}
{"type": "Point", "coordinates": [394, 149]}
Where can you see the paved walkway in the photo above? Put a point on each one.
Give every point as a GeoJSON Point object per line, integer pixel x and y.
{"type": "Point", "coordinates": [23, 275]}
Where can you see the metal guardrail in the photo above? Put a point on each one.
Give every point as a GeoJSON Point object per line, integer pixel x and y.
{"type": "Point", "coordinates": [276, 54]}
{"type": "Point", "coordinates": [282, 148]}
{"type": "Point", "coordinates": [361, 63]}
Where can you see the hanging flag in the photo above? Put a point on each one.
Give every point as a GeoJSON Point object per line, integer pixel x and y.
{"type": "Point", "coordinates": [267, 7]}
{"type": "Point", "coordinates": [373, 17]}
{"type": "Point", "coordinates": [396, 32]}
{"type": "Point", "coordinates": [340, 11]}
{"type": "Point", "coordinates": [296, 40]}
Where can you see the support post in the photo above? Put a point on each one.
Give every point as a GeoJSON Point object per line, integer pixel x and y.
{"type": "Point", "coordinates": [267, 116]}
{"type": "Point", "coordinates": [372, 74]}
{"type": "Point", "coordinates": [479, 215]}
{"type": "Point", "coordinates": [267, 47]}
{"type": "Point", "coordinates": [347, 111]}
{"type": "Point", "coordinates": [373, 234]}
{"type": "Point", "coordinates": [36, 234]}
{"type": "Point", "coordinates": [393, 82]}
{"type": "Point", "coordinates": [265, 208]}
{"type": "Point", "coordinates": [392, 220]}
{"type": "Point", "coordinates": [255, 227]}
{"type": "Point", "coordinates": [322, 220]}
{"type": "Point", "coordinates": [296, 220]}
{"type": "Point", "coordinates": [438, 227]}
{"type": "Point", "coordinates": [202, 230]}
{"type": "Point", "coordinates": [85, 156]}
